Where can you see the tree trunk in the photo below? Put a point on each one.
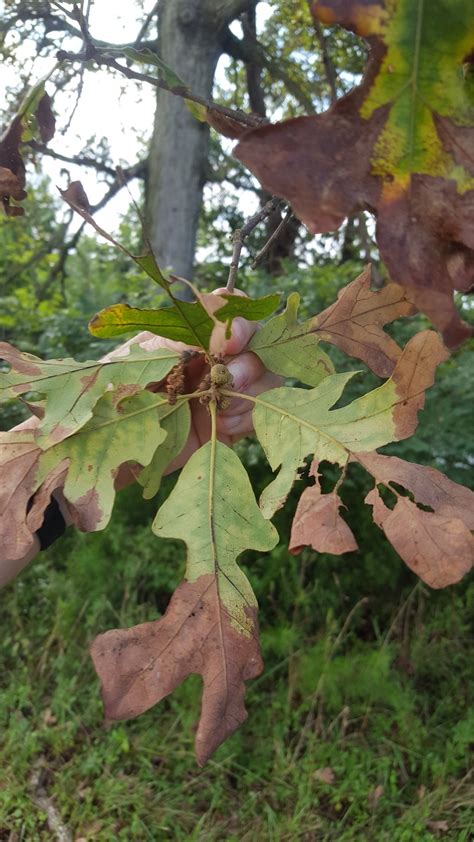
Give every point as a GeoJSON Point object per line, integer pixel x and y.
{"type": "Point", "coordinates": [190, 41]}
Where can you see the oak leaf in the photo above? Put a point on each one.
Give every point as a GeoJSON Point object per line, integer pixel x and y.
{"type": "Point", "coordinates": [354, 323]}
{"type": "Point", "coordinates": [317, 522]}
{"type": "Point", "coordinates": [84, 465]}
{"type": "Point", "coordinates": [294, 423]}
{"type": "Point", "coordinates": [210, 626]}
{"type": "Point", "coordinates": [71, 389]}
{"type": "Point", "coordinates": [440, 550]}
{"type": "Point", "coordinates": [437, 545]}
{"type": "Point", "coordinates": [399, 145]}
{"type": "Point", "coordinates": [34, 118]}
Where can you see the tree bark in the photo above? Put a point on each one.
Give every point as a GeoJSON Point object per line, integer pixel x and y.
{"type": "Point", "coordinates": [191, 34]}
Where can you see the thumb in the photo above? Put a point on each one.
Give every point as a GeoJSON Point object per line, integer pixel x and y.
{"type": "Point", "coordinates": [241, 331]}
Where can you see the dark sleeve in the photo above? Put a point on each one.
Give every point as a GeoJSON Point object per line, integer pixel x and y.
{"type": "Point", "coordinates": [53, 525]}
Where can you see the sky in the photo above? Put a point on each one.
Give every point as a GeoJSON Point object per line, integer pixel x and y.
{"type": "Point", "coordinates": [108, 107]}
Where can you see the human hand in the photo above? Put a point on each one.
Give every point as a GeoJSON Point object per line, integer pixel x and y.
{"type": "Point", "coordinates": [250, 377]}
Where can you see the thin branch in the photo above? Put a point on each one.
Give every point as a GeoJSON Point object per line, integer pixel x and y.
{"type": "Point", "coordinates": [274, 237]}
{"type": "Point", "coordinates": [238, 238]}
{"type": "Point", "coordinates": [136, 171]}
{"type": "Point", "coordinates": [82, 160]}
{"type": "Point", "coordinates": [329, 70]}
{"type": "Point", "coordinates": [146, 23]}
{"type": "Point", "coordinates": [249, 50]}
{"type": "Point", "coordinates": [103, 59]}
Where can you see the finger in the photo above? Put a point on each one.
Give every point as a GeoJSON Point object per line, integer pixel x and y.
{"type": "Point", "coordinates": [241, 330]}
{"type": "Point", "coordinates": [146, 340]}
{"type": "Point", "coordinates": [245, 370]}
{"type": "Point", "coordinates": [238, 421]}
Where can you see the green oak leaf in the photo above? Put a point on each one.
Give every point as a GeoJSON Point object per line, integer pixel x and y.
{"type": "Point", "coordinates": [252, 309]}
{"type": "Point", "coordinates": [210, 625]}
{"type": "Point", "coordinates": [177, 425]}
{"type": "Point", "coordinates": [116, 434]}
{"type": "Point", "coordinates": [165, 321]}
{"type": "Point", "coordinates": [287, 347]}
{"type": "Point", "coordinates": [71, 389]}
{"type": "Point", "coordinates": [213, 509]}
{"type": "Point", "coordinates": [293, 423]}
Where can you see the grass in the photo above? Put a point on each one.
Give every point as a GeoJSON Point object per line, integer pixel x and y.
{"type": "Point", "coordinates": [361, 727]}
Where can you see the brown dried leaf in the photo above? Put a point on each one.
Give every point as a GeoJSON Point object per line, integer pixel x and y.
{"type": "Point", "coordinates": [140, 666]}
{"type": "Point", "coordinates": [439, 827]}
{"type": "Point", "coordinates": [439, 549]}
{"type": "Point", "coordinates": [375, 795]}
{"type": "Point", "coordinates": [355, 322]}
{"type": "Point", "coordinates": [325, 775]}
{"type": "Point", "coordinates": [34, 113]}
{"type": "Point", "coordinates": [318, 524]}
{"type": "Point", "coordinates": [18, 458]}
{"type": "Point", "coordinates": [428, 486]}
{"type": "Point", "coordinates": [399, 145]}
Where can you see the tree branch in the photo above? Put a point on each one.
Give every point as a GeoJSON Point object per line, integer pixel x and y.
{"type": "Point", "coordinates": [251, 51]}
{"type": "Point", "coordinates": [240, 234]}
{"type": "Point", "coordinates": [100, 56]}
{"type": "Point", "coordinates": [329, 70]}
{"type": "Point", "coordinates": [79, 160]}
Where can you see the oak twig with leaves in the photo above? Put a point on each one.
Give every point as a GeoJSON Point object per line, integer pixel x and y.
{"type": "Point", "coordinates": [98, 417]}
{"type": "Point", "coordinates": [397, 144]}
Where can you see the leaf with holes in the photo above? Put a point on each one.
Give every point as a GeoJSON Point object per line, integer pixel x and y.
{"type": "Point", "coordinates": [400, 145]}
{"type": "Point", "coordinates": [317, 522]}
{"type": "Point", "coordinates": [437, 545]}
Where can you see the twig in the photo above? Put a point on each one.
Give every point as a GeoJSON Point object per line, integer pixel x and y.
{"type": "Point", "coordinates": [278, 230]}
{"type": "Point", "coordinates": [329, 71]}
{"type": "Point", "coordinates": [240, 234]}
{"type": "Point", "coordinates": [80, 88]}
{"type": "Point", "coordinates": [103, 59]}
{"type": "Point", "coordinates": [146, 24]}
{"type": "Point", "coordinates": [80, 160]}
{"type": "Point", "coordinates": [45, 803]}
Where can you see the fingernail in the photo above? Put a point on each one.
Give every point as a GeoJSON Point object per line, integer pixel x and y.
{"type": "Point", "coordinates": [238, 371]}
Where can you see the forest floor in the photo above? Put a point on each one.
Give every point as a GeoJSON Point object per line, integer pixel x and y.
{"type": "Point", "coordinates": [360, 728]}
